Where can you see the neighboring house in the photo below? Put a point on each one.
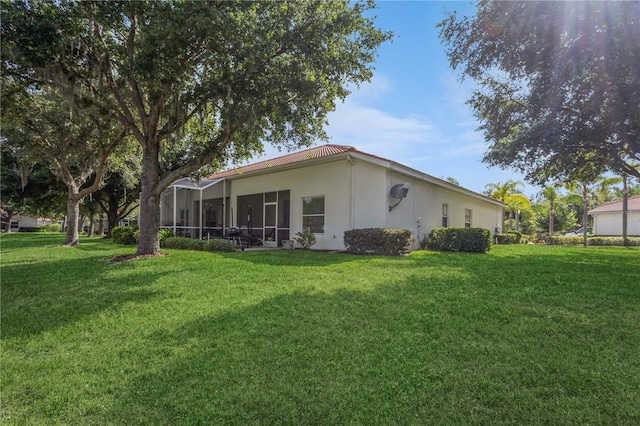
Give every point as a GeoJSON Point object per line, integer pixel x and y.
{"type": "Point", "coordinates": [327, 190]}
{"type": "Point", "coordinates": [607, 218]}
{"type": "Point", "coordinates": [26, 221]}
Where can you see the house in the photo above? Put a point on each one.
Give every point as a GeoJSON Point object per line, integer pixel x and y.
{"type": "Point", "coordinates": [327, 190]}
{"type": "Point", "coordinates": [25, 221]}
{"type": "Point", "coordinates": [607, 218]}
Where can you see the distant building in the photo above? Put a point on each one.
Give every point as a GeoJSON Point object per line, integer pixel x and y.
{"type": "Point", "coordinates": [607, 218]}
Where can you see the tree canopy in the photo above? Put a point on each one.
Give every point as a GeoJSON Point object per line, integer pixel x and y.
{"type": "Point", "coordinates": [249, 72]}
{"type": "Point", "coordinates": [558, 83]}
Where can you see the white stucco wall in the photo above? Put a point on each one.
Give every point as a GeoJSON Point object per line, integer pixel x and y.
{"type": "Point", "coordinates": [421, 211]}
{"type": "Point", "coordinates": [611, 223]}
{"type": "Point", "coordinates": [356, 195]}
{"type": "Point", "coordinates": [331, 180]}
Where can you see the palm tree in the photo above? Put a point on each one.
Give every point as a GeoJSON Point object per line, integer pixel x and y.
{"type": "Point", "coordinates": [510, 194]}
{"type": "Point", "coordinates": [583, 187]}
{"type": "Point", "coordinates": [551, 195]}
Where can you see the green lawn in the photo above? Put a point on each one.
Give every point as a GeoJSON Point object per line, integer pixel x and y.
{"type": "Point", "coordinates": [522, 335]}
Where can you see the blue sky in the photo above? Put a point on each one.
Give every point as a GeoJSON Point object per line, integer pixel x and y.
{"type": "Point", "coordinates": [413, 111]}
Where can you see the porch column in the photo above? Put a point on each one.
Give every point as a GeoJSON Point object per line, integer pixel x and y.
{"type": "Point", "coordinates": [224, 207]}
{"type": "Point", "coordinates": [201, 214]}
{"type": "Point", "coordinates": [175, 203]}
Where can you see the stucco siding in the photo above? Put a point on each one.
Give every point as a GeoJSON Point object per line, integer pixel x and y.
{"type": "Point", "coordinates": [370, 197]}
{"type": "Point", "coordinates": [356, 193]}
{"type": "Point", "coordinates": [331, 180]}
{"type": "Point", "coordinates": [611, 223]}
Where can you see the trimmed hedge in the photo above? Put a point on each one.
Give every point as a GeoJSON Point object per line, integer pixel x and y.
{"type": "Point", "coordinates": [477, 240]}
{"type": "Point", "coordinates": [592, 241]}
{"type": "Point", "coordinates": [123, 235]}
{"type": "Point", "coordinates": [186, 243]}
{"type": "Point", "coordinates": [30, 229]}
{"type": "Point", "coordinates": [391, 242]}
{"type": "Point", "coordinates": [509, 237]}
{"type": "Point", "coordinates": [51, 227]}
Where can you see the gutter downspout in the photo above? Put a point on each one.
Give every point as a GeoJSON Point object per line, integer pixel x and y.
{"type": "Point", "coordinates": [352, 225]}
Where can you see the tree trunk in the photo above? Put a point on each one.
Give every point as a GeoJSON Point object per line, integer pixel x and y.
{"type": "Point", "coordinates": [91, 226]}
{"type": "Point", "coordinates": [100, 225]}
{"type": "Point", "coordinates": [625, 208]}
{"type": "Point", "coordinates": [9, 216]}
{"type": "Point", "coordinates": [585, 217]}
{"type": "Point", "coordinates": [551, 218]}
{"type": "Point", "coordinates": [149, 201]}
{"type": "Point", "coordinates": [73, 214]}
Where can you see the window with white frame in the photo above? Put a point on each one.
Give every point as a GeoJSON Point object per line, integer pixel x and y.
{"type": "Point", "coordinates": [445, 215]}
{"type": "Point", "coordinates": [467, 218]}
{"type": "Point", "coordinates": [313, 214]}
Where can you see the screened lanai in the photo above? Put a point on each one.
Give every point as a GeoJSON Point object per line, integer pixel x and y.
{"type": "Point", "coordinates": [184, 211]}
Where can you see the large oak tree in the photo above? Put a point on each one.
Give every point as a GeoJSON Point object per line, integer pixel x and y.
{"type": "Point", "coordinates": [75, 143]}
{"type": "Point", "coordinates": [250, 72]}
{"type": "Point", "coordinates": [558, 84]}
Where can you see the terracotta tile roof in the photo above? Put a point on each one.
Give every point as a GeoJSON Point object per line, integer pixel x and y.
{"type": "Point", "coordinates": [616, 206]}
{"type": "Point", "coordinates": [296, 157]}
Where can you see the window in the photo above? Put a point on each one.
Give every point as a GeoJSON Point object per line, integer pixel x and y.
{"type": "Point", "coordinates": [313, 214]}
{"type": "Point", "coordinates": [467, 218]}
{"type": "Point", "coordinates": [445, 215]}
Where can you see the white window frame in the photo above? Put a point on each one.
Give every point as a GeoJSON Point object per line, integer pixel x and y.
{"type": "Point", "coordinates": [468, 214]}
{"type": "Point", "coordinates": [445, 215]}
{"type": "Point", "coordinates": [303, 215]}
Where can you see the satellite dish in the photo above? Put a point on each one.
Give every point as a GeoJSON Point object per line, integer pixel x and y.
{"type": "Point", "coordinates": [398, 192]}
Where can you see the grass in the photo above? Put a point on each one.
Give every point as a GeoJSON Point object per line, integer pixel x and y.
{"type": "Point", "coordinates": [522, 335]}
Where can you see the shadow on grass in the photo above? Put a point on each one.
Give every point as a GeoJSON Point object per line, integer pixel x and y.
{"type": "Point", "coordinates": [40, 297]}
{"type": "Point", "coordinates": [21, 240]}
{"type": "Point", "coordinates": [404, 355]}
{"type": "Point", "coordinates": [292, 257]}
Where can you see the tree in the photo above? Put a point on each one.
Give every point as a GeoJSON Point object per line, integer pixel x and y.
{"type": "Point", "coordinates": [563, 216]}
{"type": "Point", "coordinates": [558, 84]}
{"type": "Point", "coordinates": [583, 186]}
{"type": "Point", "coordinates": [31, 190]}
{"type": "Point", "coordinates": [74, 143]}
{"type": "Point", "coordinates": [251, 72]}
{"type": "Point", "coordinates": [510, 194]}
{"type": "Point", "coordinates": [119, 196]}
{"type": "Point", "coordinates": [550, 195]}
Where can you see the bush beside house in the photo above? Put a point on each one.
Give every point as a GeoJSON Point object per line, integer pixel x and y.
{"type": "Point", "coordinates": [592, 241]}
{"type": "Point", "coordinates": [185, 243]}
{"type": "Point", "coordinates": [385, 241]}
{"type": "Point", "coordinates": [459, 239]}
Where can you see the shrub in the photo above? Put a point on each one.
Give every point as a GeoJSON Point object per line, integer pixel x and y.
{"type": "Point", "coordinates": [51, 227]}
{"type": "Point", "coordinates": [30, 229]}
{"type": "Point", "coordinates": [424, 241]}
{"type": "Point", "coordinates": [136, 236]}
{"type": "Point", "coordinates": [592, 241]}
{"type": "Point", "coordinates": [165, 233]}
{"type": "Point", "coordinates": [306, 239]}
{"type": "Point", "coordinates": [185, 243]}
{"type": "Point", "coordinates": [564, 241]}
{"type": "Point", "coordinates": [123, 235]}
{"type": "Point", "coordinates": [613, 241]}
{"type": "Point", "coordinates": [391, 242]}
{"type": "Point", "coordinates": [460, 239]}
{"type": "Point", "coordinates": [509, 237]}
{"type": "Point", "coordinates": [515, 235]}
